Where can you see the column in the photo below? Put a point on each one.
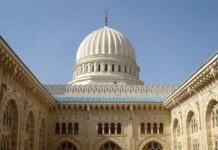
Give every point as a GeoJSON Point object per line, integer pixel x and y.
{"type": "Point", "coordinates": [102, 129]}
{"type": "Point", "coordinates": [109, 129]}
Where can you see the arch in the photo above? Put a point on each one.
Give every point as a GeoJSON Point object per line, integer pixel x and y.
{"type": "Point", "coordinates": [188, 122]}
{"type": "Point", "coordinates": [176, 133]}
{"type": "Point", "coordinates": [110, 146]}
{"type": "Point", "coordinates": [210, 120]}
{"type": "Point", "coordinates": [153, 145]}
{"type": "Point", "coordinates": [10, 122]}
{"type": "Point", "coordinates": [102, 141]}
{"type": "Point", "coordinates": [59, 141]}
{"type": "Point", "coordinates": [165, 145]}
{"type": "Point", "coordinates": [66, 145]}
{"type": "Point", "coordinates": [192, 125]}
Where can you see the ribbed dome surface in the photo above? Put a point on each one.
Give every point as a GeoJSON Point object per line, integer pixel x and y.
{"type": "Point", "coordinates": [105, 41]}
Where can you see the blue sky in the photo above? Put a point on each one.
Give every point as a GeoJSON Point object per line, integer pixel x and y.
{"type": "Point", "coordinates": [172, 38]}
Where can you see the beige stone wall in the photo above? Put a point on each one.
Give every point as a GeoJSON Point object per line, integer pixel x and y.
{"type": "Point", "coordinates": [24, 104]}
{"type": "Point", "coordinates": [130, 137]}
{"type": "Point", "coordinates": [199, 104]}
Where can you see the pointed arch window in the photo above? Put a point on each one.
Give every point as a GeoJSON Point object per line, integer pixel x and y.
{"type": "Point", "coordinates": [112, 68]}
{"type": "Point", "coordinates": [155, 128]}
{"type": "Point", "coordinates": [70, 128]}
{"type": "Point", "coordinates": [119, 128]}
{"type": "Point", "coordinates": [99, 67]}
{"type": "Point", "coordinates": [148, 128]}
{"type": "Point", "coordinates": [106, 128]}
{"type": "Point", "coordinates": [63, 128]}
{"type": "Point", "coordinates": [76, 128]}
{"type": "Point", "coordinates": [161, 128]}
{"type": "Point", "coordinates": [112, 128]}
{"type": "Point", "coordinates": [119, 68]}
{"type": "Point", "coordinates": [100, 128]}
{"type": "Point", "coordinates": [57, 128]}
{"type": "Point", "coordinates": [142, 128]}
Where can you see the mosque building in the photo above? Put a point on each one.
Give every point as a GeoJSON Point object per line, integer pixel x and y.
{"type": "Point", "coordinates": [106, 106]}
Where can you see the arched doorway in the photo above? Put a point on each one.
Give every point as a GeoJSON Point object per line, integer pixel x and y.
{"type": "Point", "coordinates": [152, 146]}
{"type": "Point", "coordinates": [212, 124]}
{"type": "Point", "coordinates": [66, 146]}
{"type": "Point", "coordinates": [10, 125]}
{"type": "Point", "coordinates": [110, 146]}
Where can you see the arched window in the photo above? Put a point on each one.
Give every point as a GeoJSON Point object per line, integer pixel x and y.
{"type": "Point", "coordinates": [155, 128]}
{"type": "Point", "coordinates": [112, 128]}
{"type": "Point", "coordinates": [57, 128]}
{"type": "Point", "coordinates": [8, 140]}
{"type": "Point", "coordinates": [42, 135]}
{"type": "Point", "coordinates": [152, 146]}
{"type": "Point", "coordinates": [70, 128]}
{"type": "Point", "coordinates": [161, 128]}
{"type": "Point", "coordinates": [142, 128]}
{"type": "Point", "coordinates": [119, 128]}
{"type": "Point", "coordinates": [148, 128]}
{"type": "Point", "coordinates": [212, 125]}
{"type": "Point", "coordinates": [194, 125]}
{"type": "Point", "coordinates": [192, 131]}
{"type": "Point", "coordinates": [66, 146]}
{"type": "Point", "coordinates": [87, 69]}
{"type": "Point", "coordinates": [99, 67]}
{"type": "Point", "coordinates": [119, 68]}
{"type": "Point", "coordinates": [100, 128]}
{"type": "Point", "coordinates": [63, 128]}
{"type": "Point", "coordinates": [106, 128]}
{"type": "Point", "coordinates": [76, 128]}
{"type": "Point", "coordinates": [125, 69]}
{"type": "Point", "coordinates": [130, 70]}
{"type": "Point", "coordinates": [30, 131]}
{"type": "Point", "coordinates": [110, 146]}
{"type": "Point", "coordinates": [105, 67]}
{"type": "Point", "coordinates": [112, 68]}
{"type": "Point", "coordinates": [93, 68]}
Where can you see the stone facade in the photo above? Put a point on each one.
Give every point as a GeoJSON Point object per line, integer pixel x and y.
{"type": "Point", "coordinates": [135, 117]}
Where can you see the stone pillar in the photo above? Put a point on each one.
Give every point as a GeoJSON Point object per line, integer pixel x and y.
{"type": "Point", "coordinates": [95, 67]}
{"type": "Point", "coordinates": [102, 129]}
{"type": "Point", "coordinates": [102, 67]}
{"type": "Point", "coordinates": [109, 129]}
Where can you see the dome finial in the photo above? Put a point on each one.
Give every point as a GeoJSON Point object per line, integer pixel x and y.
{"type": "Point", "coordinates": [106, 18]}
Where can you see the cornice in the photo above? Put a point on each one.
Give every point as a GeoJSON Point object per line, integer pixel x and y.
{"type": "Point", "coordinates": [111, 89]}
{"type": "Point", "coordinates": [108, 106]}
{"type": "Point", "coordinates": [17, 70]}
{"type": "Point", "coordinates": [205, 75]}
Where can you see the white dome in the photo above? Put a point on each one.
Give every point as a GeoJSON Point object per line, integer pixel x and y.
{"type": "Point", "coordinates": [105, 56]}
{"type": "Point", "coordinates": [105, 41]}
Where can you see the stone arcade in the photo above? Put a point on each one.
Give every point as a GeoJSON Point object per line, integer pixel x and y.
{"type": "Point", "coordinates": [106, 106]}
